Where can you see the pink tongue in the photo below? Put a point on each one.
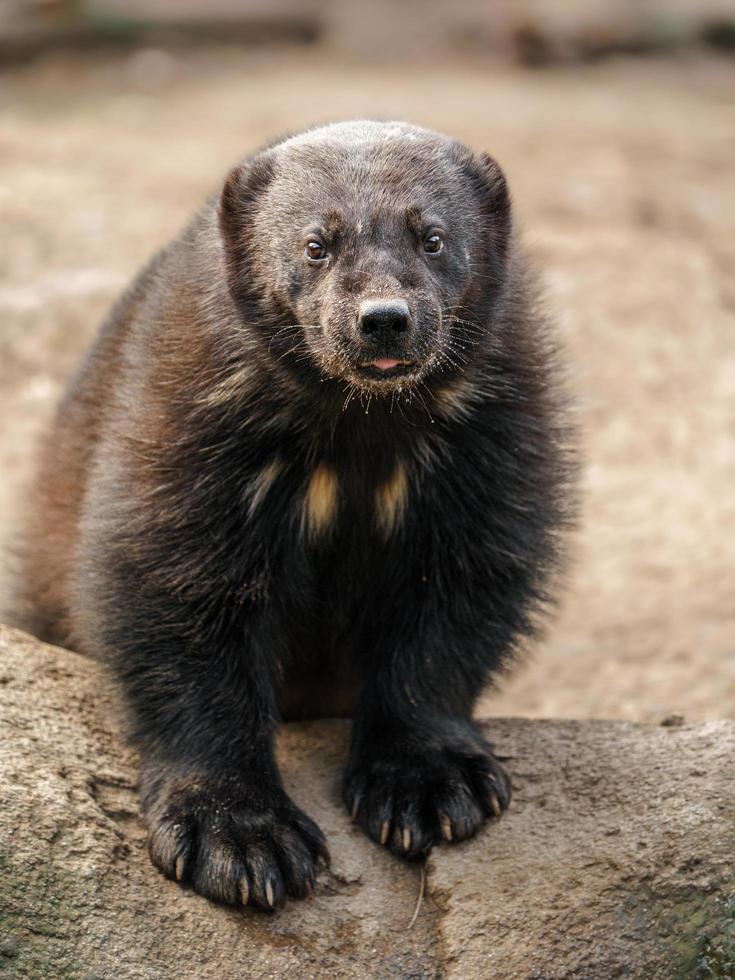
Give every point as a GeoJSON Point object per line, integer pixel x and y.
{"type": "Point", "coordinates": [384, 364]}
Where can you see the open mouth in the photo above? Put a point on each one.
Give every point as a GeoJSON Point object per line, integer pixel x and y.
{"type": "Point", "coordinates": [386, 368]}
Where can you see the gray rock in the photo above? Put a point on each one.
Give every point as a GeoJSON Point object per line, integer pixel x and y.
{"type": "Point", "coordinates": [614, 860]}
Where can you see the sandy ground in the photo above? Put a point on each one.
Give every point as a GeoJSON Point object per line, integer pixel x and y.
{"type": "Point", "coordinates": [624, 183]}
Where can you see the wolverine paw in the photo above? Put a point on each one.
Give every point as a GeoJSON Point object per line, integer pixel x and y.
{"type": "Point", "coordinates": [234, 842]}
{"type": "Point", "coordinates": [409, 800]}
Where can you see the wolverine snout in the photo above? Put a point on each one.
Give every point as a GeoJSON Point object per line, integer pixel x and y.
{"type": "Point", "coordinates": [378, 320]}
{"type": "Point", "coordinates": [385, 327]}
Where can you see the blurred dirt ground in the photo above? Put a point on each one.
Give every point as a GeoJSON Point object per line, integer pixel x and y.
{"type": "Point", "coordinates": [625, 186]}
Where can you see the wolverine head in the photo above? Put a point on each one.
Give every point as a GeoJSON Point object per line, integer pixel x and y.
{"type": "Point", "coordinates": [367, 252]}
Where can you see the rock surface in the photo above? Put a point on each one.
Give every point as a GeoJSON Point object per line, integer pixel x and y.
{"type": "Point", "coordinates": [614, 860]}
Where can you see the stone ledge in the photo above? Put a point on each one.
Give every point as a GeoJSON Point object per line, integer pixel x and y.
{"type": "Point", "coordinates": [616, 858]}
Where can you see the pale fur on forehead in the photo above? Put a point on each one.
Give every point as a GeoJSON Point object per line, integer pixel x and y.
{"type": "Point", "coordinates": [396, 154]}
{"type": "Point", "coordinates": [361, 133]}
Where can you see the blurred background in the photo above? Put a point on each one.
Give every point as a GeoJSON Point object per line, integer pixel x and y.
{"type": "Point", "coordinates": [615, 122]}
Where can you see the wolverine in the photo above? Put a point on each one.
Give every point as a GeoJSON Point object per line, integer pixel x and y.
{"type": "Point", "coordinates": [317, 463]}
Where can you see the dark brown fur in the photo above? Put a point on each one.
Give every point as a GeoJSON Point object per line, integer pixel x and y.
{"type": "Point", "coordinates": [250, 515]}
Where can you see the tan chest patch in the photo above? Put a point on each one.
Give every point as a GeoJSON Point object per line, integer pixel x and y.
{"type": "Point", "coordinates": [262, 482]}
{"type": "Point", "coordinates": [455, 399]}
{"type": "Point", "coordinates": [391, 500]}
{"type": "Point", "coordinates": [320, 502]}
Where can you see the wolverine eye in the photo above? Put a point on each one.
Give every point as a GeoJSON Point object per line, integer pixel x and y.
{"type": "Point", "coordinates": [433, 243]}
{"type": "Point", "coordinates": [315, 250]}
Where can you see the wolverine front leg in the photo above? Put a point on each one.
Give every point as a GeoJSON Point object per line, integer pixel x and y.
{"type": "Point", "coordinates": [419, 771]}
{"type": "Point", "coordinates": [217, 815]}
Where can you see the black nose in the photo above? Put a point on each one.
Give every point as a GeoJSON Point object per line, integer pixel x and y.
{"type": "Point", "coordinates": [383, 316]}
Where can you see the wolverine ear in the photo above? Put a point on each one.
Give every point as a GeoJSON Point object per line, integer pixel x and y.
{"type": "Point", "coordinates": [242, 188]}
{"type": "Point", "coordinates": [490, 186]}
